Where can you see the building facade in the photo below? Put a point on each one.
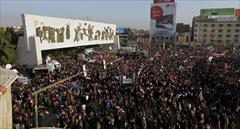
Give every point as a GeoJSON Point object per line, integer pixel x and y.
{"type": "Point", "coordinates": [215, 30]}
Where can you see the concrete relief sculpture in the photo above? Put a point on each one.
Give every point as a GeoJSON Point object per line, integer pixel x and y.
{"type": "Point", "coordinates": [45, 29]}
{"type": "Point", "coordinates": [97, 35]}
{"type": "Point", "coordinates": [56, 35]}
{"type": "Point", "coordinates": [68, 32]}
{"type": "Point", "coordinates": [78, 34]}
{"type": "Point", "coordinates": [39, 33]}
{"type": "Point", "coordinates": [103, 34]}
{"type": "Point", "coordinates": [51, 37]}
{"type": "Point", "coordinates": [90, 32]}
{"type": "Point", "coordinates": [107, 34]}
{"type": "Point", "coordinates": [111, 34]}
{"type": "Point", "coordinates": [60, 34]}
{"type": "Point", "coordinates": [48, 33]}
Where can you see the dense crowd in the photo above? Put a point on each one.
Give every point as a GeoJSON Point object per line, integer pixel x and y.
{"type": "Point", "coordinates": [171, 89]}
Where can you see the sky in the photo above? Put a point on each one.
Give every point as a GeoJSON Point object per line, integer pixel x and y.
{"type": "Point", "coordinates": [123, 13]}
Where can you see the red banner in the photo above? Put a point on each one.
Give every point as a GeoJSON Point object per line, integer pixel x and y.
{"type": "Point", "coordinates": [237, 12]}
{"type": "Point", "coordinates": [156, 11]}
{"type": "Point", "coordinates": [163, 1]}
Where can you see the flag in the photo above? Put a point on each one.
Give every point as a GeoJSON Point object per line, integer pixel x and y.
{"type": "Point", "coordinates": [142, 90]}
{"type": "Point", "coordinates": [172, 77]}
{"type": "Point", "coordinates": [219, 125]}
{"type": "Point", "coordinates": [219, 54]}
{"type": "Point", "coordinates": [119, 109]}
{"type": "Point", "coordinates": [226, 66]}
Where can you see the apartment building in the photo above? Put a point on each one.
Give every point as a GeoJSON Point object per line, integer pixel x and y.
{"type": "Point", "coordinates": [216, 30]}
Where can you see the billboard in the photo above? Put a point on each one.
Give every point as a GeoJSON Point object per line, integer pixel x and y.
{"type": "Point", "coordinates": [182, 39]}
{"type": "Point", "coordinates": [217, 12]}
{"type": "Point", "coordinates": [163, 1]}
{"type": "Point", "coordinates": [163, 17]}
{"type": "Point", "coordinates": [237, 12]}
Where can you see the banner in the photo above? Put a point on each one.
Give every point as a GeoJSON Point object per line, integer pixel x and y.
{"type": "Point", "coordinates": [23, 80]}
{"type": "Point", "coordinates": [237, 12]}
{"type": "Point", "coordinates": [217, 12]}
{"type": "Point", "coordinates": [163, 1]}
{"type": "Point", "coordinates": [182, 39]}
{"type": "Point", "coordinates": [163, 17]}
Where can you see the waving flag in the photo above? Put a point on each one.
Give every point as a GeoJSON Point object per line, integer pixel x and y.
{"type": "Point", "coordinates": [171, 77]}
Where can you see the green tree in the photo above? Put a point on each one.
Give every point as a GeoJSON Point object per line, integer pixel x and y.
{"type": "Point", "coordinates": [14, 34]}
{"type": "Point", "coordinates": [7, 50]}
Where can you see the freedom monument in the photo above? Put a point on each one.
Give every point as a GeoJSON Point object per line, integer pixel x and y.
{"type": "Point", "coordinates": [48, 33]}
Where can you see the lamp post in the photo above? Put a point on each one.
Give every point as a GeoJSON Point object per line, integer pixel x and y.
{"type": "Point", "coordinates": [35, 94]}
{"type": "Point", "coordinates": [36, 110]}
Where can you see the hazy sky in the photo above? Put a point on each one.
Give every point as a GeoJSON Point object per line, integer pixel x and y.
{"type": "Point", "coordinates": [123, 13]}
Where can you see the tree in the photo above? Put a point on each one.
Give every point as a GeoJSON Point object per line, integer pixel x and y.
{"type": "Point", "coordinates": [7, 50]}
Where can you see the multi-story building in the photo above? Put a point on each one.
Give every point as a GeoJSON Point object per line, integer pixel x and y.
{"type": "Point", "coordinates": [216, 29]}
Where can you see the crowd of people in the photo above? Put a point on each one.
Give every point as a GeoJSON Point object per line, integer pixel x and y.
{"type": "Point", "coordinates": [170, 89]}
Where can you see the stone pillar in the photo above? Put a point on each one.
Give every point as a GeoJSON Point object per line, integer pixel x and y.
{"type": "Point", "coordinates": [6, 110]}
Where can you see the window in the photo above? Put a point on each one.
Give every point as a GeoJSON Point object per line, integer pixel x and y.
{"type": "Point", "coordinates": [204, 35]}
{"type": "Point", "coordinates": [227, 35]}
{"type": "Point", "coordinates": [212, 35]}
{"type": "Point", "coordinates": [229, 25]}
{"type": "Point", "coordinates": [220, 25]}
{"type": "Point", "coordinates": [204, 40]}
{"type": "Point", "coordinates": [219, 35]}
{"type": "Point", "coordinates": [236, 35]}
{"type": "Point", "coordinates": [213, 25]}
{"type": "Point", "coordinates": [237, 30]}
{"type": "Point", "coordinates": [213, 30]}
{"type": "Point", "coordinates": [195, 30]}
{"type": "Point", "coordinates": [219, 41]}
{"type": "Point", "coordinates": [204, 30]}
{"type": "Point", "coordinates": [220, 30]}
{"type": "Point", "coordinates": [227, 41]}
{"type": "Point", "coordinates": [228, 30]}
{"type": "Point", "coordinates": [195, 35]}
{"type": "Point", "coordinates": [211, 41]}
{"type": "Point", "coordinates": [196, 25]}
{"type": "Point", "coordinates": [205, 25]}
{"type": "Point", "coordinates": [237, 25]}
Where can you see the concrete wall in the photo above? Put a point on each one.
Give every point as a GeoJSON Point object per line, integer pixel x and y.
{"type": "Point", "coordinates": [31, 56]}
{"type": "Point", "coordinates": [6, 110]}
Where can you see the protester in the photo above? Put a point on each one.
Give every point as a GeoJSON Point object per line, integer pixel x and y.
{"type": "Point", "coordinates": [172, 89]}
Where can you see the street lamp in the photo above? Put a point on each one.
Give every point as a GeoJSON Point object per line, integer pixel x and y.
{"type": "Point", "coordinates": [35, 94]}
